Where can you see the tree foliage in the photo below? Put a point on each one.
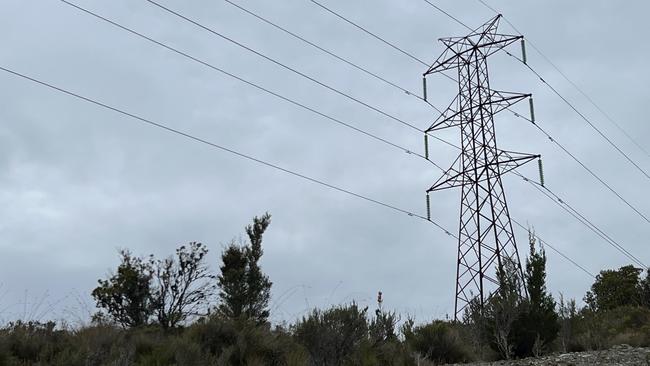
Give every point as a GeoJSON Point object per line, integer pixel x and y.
{"type": "Point", "coordinates": [502, 310]}
{"type": "Point", "coordinates": [232, 281]}
{"type": "Point", "coordinates": [184, 285]}
{"type": "Point", "coordinates": [615, 288]}
{"type": "Point", "coordinates": [567, 319]}
{"type": "Point", "coordinates": [126, 295]}
{"type": "Point", "coordinates": [176, 291]}
{"type": "Point", "coordinates": [537, 325]}
{"type": "Point", "coordinates": [512, 324]}
{"type": "Point", "coordinates": [171, 290]}
{"type": "Point", "coordinates": [644, 289]}
{"type": "Point", "coordinates": [244, 289]}
{"type": "Point", "coordinates": [258, 284]}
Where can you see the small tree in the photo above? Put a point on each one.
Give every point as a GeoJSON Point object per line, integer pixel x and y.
{"type": "Point", "coordinates": [502, 309]}
{"type": "Point", "coordinates": [537, 325]}
{"type": "Point", "coordinates": [644, 289]}
{"type": "Point", "coordinates": [258, 284]}
{"type": "Point", "coordinates": [232, 281]}
{"type": "Point", "coordinates": [126, 295]}
{"type": "Point", "coordinates": [184, 285]}
{"type": "Point", "coordinates": [477, 327]}
{"type": "Point", "coordinates": [244, 289]}
{"type": "Point", "coordinates": [615, 288]}
{"type": "Point", "coordinates": [567, 317]}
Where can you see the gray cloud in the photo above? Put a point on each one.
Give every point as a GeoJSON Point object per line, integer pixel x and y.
{"type": "Point", "coordinates": [77, 181]}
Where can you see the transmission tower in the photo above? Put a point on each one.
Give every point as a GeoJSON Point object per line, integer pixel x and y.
{"type": "Point", "coordinates": [485, 236]}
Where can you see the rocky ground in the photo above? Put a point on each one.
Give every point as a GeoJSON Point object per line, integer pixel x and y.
{"type": "Point", "coordinates": [622, 355]}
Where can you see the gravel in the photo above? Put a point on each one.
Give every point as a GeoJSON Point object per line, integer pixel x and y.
{"type": "Point", "coordinates": [622, 355]}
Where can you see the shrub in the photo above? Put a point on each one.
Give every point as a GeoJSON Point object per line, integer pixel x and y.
{"type": "Point", "coordinates": [333, 336]}
{"type": "Point", "coordinates": [439, 342]}
{"type": "Point", "coordinates": [126, 295]}
{"type": "Point", "coordinates": [33, 341]}
{"type": "Point", "coordinates": [244, 342]}
{"type": "Point", "coordinates": [603, 329]}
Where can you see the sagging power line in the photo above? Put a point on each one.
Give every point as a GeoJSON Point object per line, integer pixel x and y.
{"type": "Point", "coordinates": [562, 203]}
{"type": "Point", "coordinates": [361, 28]}
{"type": "Point", "coordinates": [187, 135]}
{"type": "Point", "coordinates": [283, 65]}
{"type": "Point", "coordinates": [331, 53]}
{"type": "Point", "coordinates": [239, 78]}
{"type": "Point", "coordinates": [259, 161]}
{"type": "Point", "coordinates": [584, 166]}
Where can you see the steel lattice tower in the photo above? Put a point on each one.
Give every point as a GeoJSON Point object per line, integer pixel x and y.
{"type": "Point", "coordinates": [485, 235]}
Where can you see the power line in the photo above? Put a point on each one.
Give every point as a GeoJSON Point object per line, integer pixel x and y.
{"type": "Point", "coordinates": [575, 85]}
{"type": "Point", "coordinates": [189, 136]}
{"type": "Point", "coordinates": [556, 250]}
{"type": "Point", "coordinates": [286, 67]}
{"type": "Point", "coordinates": [576, 214]}
{"type": "Point", "coordinates": [572, 211]}
{"type": "Point", "coordinates": [581, 218]}
{"type": "Point", "coordinates": [383, 40]}
{"type": "Point", "coordinates": [250, 83]}
{"type": "Point", "coordinates": [567, 102]}
{"type": "Point", "coordinates": [328, 52]}
{"type": "Point", "coordinates": [410, 55]}
{"type": "Point", "coordinates": [254, 85]}
{"type": "Point", "coordinates": [448, 14]}
{"type": "Point", "coordinates": [584, 166]}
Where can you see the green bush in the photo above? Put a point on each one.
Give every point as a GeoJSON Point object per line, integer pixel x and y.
{"type": "Point", "coordinates": [605, 328]}
{"type": "Point", "coordinates": [333, 336]}
{"type": "Point", "coordinates": [33, 342]}
{"type": "Point", "coordinates": [439, 342]}
{"type": "Point", "coordinates": [244, 342]}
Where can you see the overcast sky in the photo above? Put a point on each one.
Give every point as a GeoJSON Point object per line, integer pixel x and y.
{"type": "Point", "coordinates": [78, 182]}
